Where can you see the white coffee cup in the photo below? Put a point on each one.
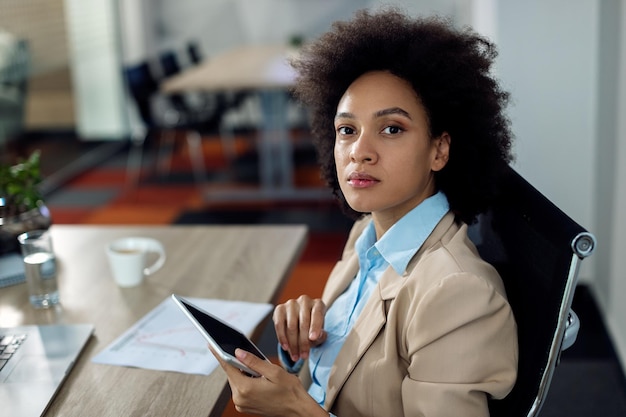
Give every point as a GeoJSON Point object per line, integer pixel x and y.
{"type": "Point", "coordinates": [128, 257]}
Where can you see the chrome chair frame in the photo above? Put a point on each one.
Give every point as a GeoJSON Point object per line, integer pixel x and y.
{"type": "Point", "coordinates": [537, 250]}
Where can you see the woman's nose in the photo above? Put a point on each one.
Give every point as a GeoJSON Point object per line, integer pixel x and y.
{"type": "Point", "coordinates": [362, 150]}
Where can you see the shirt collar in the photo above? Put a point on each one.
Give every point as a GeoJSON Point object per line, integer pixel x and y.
{"type": "Point", "coordinates": [400, 243]}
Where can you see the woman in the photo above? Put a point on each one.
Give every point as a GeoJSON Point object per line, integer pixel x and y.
{"type": "Point", "coordinates": [410, 133]}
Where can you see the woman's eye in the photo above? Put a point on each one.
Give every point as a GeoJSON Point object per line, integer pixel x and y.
{"type": "Point", "coordinates": [392, 130]}
{"type": "Point", "coordinates": [345, 130]}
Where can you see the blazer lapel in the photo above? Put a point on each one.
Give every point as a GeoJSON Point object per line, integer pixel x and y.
{"type": "Point", "coordinates": [342, 275]}
{"type": "Point", "coordinates": [374, 315]}
{"type": "Point", "coordinates": [369, 324]}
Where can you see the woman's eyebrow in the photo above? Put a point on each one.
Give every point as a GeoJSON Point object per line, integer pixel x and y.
{"type": "Point", "coordinates": [393, 110]}
{"type": "Point", "coordinates": [379, 113]}
{"type": "Point", "coordinates": [344, 115]}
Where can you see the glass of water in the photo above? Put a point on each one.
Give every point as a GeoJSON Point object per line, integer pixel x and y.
{"type": "Point", "coordinates": [40, 267]}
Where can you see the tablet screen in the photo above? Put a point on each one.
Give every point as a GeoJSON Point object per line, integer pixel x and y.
{"type": "Point", "coordinates": [228, 338]}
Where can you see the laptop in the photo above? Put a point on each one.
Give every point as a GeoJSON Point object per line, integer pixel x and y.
{"type": "Point", "coordinates": [34, 362]}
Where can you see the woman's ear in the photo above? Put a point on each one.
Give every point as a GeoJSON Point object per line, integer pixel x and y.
{"type": "Point", "coordinates": [441, 146]}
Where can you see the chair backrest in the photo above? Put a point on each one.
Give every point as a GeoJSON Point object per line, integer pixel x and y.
{"type": "Point", "coordinates": [169, 63]}
{"type": "Point", "coordinates": [142, 86]}
{"type": "Point", "coordinates": [171, 66]}
{"type": "Point", "coordinates": [193, 50]}
{"type": "Point", "coordinates": [537, 250]}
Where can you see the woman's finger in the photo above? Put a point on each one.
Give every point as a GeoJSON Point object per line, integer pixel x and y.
{"type": "Point", "coordinates": [293, 328]}
{"type": "Point", "coordinates": [280, 326]}
{"type": "Point", "coordinates": [317, 335]}
{"type": "Point", "coordinates": [304, 326]}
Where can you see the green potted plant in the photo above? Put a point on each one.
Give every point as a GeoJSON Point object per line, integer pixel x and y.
{"type": "Point", "coordinates": [21, 203]}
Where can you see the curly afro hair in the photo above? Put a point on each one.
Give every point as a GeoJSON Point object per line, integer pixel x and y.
{"type": "Point", "coordinates": [449, 71]}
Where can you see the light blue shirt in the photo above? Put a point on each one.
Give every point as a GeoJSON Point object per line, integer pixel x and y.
{"type": "Point", "coordinates": [395, 248]}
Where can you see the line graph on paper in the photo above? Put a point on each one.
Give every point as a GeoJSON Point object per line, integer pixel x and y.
{"type": "Point", "coordinates": [165, 340]}
{"type": "Point", "coordinates": [173, 342]}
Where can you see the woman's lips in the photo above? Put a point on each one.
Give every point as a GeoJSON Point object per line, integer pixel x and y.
{"type": "Point", "coordinates": [361, 180]}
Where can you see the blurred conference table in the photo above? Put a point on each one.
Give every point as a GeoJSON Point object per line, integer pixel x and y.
{"type": "Point", "coordinates": [247, 263]}
{"type": "Point", "coordinates": [265, 71]}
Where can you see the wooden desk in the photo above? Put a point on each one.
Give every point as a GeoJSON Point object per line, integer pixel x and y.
{"type": "Point", "coordinates": [245, 67]}
{"type": "Point", "coordinates": [265, 70]}
{"type": "Point", "coordinates": [248, 263]}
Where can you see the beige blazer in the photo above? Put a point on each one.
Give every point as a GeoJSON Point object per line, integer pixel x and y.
{"type": "Point", "coordinates": [434, 342]}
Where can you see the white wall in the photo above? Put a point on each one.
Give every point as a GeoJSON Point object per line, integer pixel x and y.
{"type": "Point", "coordinates": [133, 16]}
{"type": "Point", "coordinates": [95, 67]}
{"type": "Point", "coordinates": [218, 25]}
{"type": "Point", "coordinates": [614, 305]}
{"type": "Point", "coordinates": [548, 61]}
{"type": "Point", "coordinates": [565, 63]}
{"type": "Point", "coordinates": [221, 24]}
{"type": "Point", "coordinates": [610, 283]}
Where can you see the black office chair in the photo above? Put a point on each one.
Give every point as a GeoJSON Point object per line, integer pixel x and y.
{"type": "Point", "coordinates": [193, 50]}
{"type": "Point", "coordinates": [170, 66]}
{"type": "Point", "coordinates": [537, 250]}
{"type": "Point", "coordinates": [142, 87]}
{"type": "Point", "coordinates": [162, 118]}
{"type": "Point", "coordinates": [203, 111]}
{"type": "Point", "coordinates": [169, 63]}
{"type": "Point", "coordinates": [222, 101]}
{"type": "Point", "coordinates": [200, 109]}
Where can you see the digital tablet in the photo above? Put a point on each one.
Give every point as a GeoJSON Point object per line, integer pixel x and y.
{"type": "Point", "coordinates": [223, 338]}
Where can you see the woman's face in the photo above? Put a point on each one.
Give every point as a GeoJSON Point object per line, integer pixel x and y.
{"type": "Point", "coordinates": [383, 151]}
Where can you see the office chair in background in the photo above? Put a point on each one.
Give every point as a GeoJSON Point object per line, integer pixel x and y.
{"type": "Point", "coordinates": [203, 112]}
{"type": "Point", "coordinates": [165, 115]}
{"type": "Point", "coordinates": [193, 51]}
{"type": "Point", "coordinates": [162, 117]}
{"type": "Point", "coordinates": [226, 101]}
{"type": "Point", "coordinates": [169, 66]}
{"type": "Point", "coordinates": [537, 249]}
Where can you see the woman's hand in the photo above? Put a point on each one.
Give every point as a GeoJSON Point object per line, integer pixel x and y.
{"type": "Point", "coordinates": [276, 393]}
{"type": "Point", "coordinates": [299, 325]}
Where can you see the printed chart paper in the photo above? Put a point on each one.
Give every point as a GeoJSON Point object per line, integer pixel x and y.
{"type": "Point", "coordinates": [165, 340]}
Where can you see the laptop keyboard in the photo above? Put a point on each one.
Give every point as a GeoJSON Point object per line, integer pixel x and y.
{"type": "Point", "coordinates": [8, 346]}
